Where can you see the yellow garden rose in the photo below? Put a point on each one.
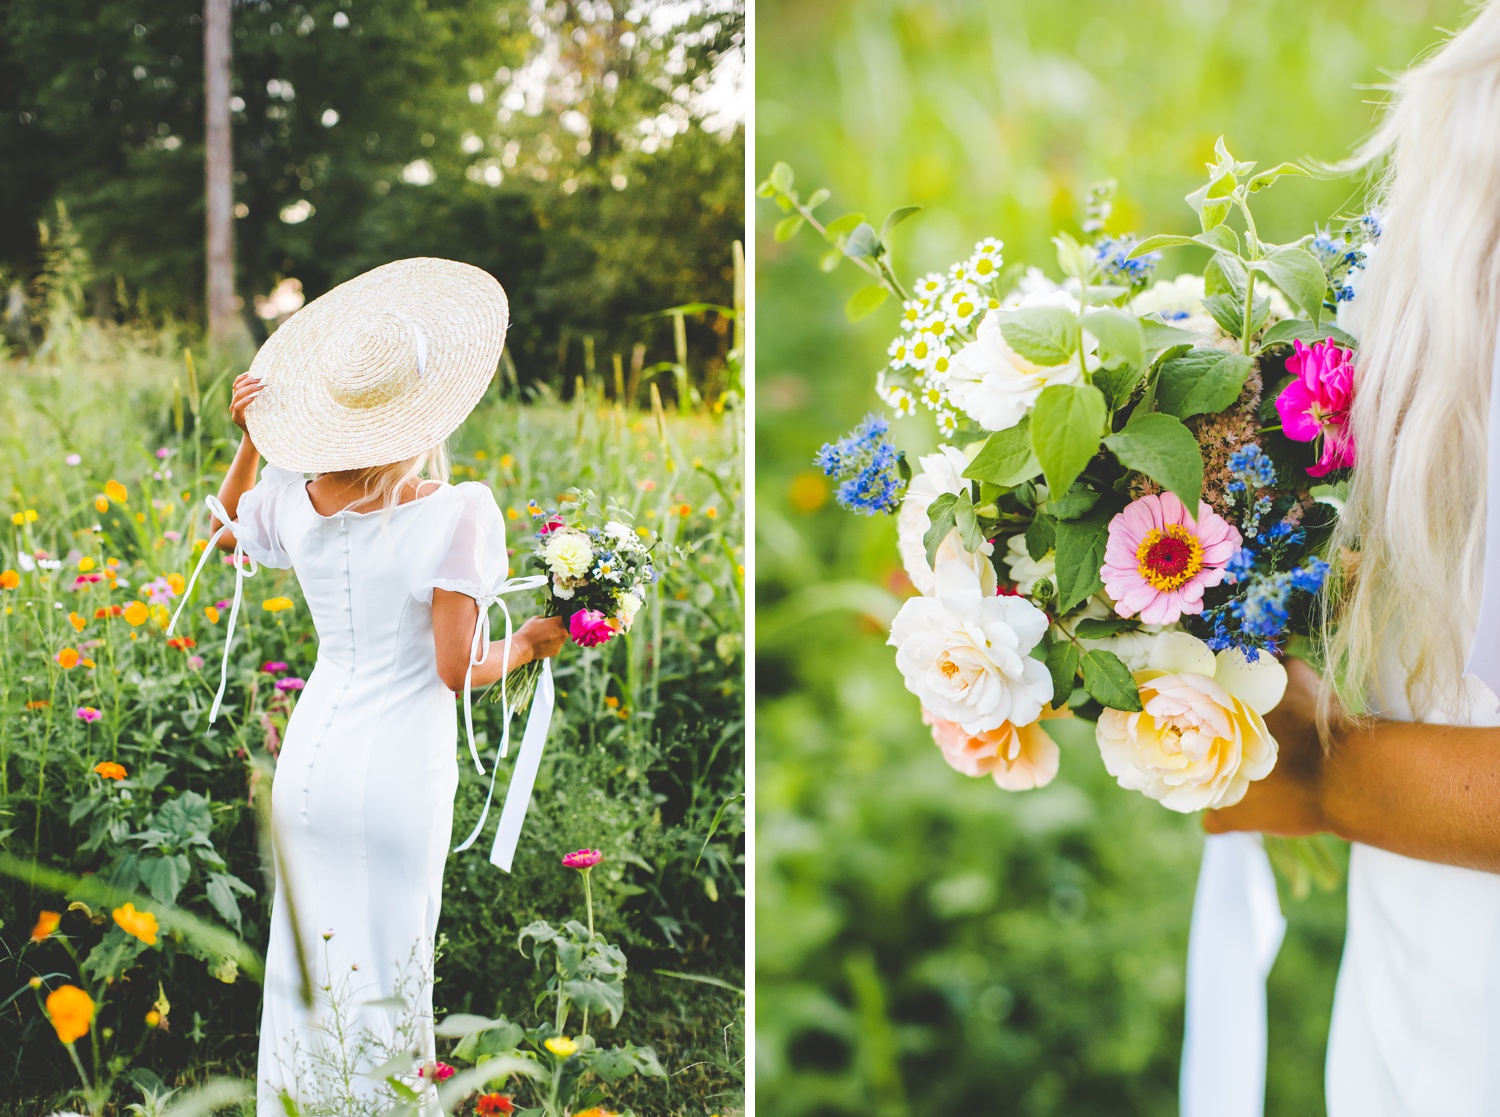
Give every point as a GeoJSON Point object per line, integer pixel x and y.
{"type": "Point", "coordinates": [1200, 740]}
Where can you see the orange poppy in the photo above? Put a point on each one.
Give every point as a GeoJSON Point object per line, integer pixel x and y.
{"type": "Point", "coordinates": [109, 770]}
{"type": "Point", "coordinates": [141, 924]}
{"type": "Point", "coordinates": [67, 659]}
{"type": "Point", "coordinates": [9, 579]}
{"type": "Point", "coordinates": [76, 621]}
{"type": "Point", "coordinates": [71, 1011]}
{"type": "Point", "coordinates": [136, 614]}
{"type": "Point", "coordinates": [46, 923]}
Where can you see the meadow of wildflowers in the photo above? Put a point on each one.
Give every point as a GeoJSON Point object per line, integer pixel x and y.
{"type": "Point", "coordinates": [134, 898]}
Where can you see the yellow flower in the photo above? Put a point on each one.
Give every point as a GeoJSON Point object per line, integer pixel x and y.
{"type": "Point", "coordinates": [136, 614]}
{"type": "Point", "coordinates": [116, 492]}
{"type": "Point", "coordinates": [46, 923]}
{"type": "Point", "coordinates": [85, 564]}
{"type": "Point", "coordinates": [141, 924]}
{"type": "Point", "coordinates": [161, 615]}
{"type": "Point", "coordinates": [276, 604]}
{"type": "Point", "coordinates": [177, 582]}
{"type": "Point", "coordinates": [9, 579]}
{"type": "Point", "coordinates": [711, 513]}
{"type": "Point", "coordinates": [153, 1019]}
{"type": "Point", "coordinates": [17, 519]}
{"type": "Point", "coordinates": [101, 504]}
{"type": "Point", "coordinates": [76, 621]}
{"type": "Point", "coordinates": [67, 659]}
{"type": "Point", "coordinates": [512, 514]}
{"type": "Point", "coordinates": [212, 614]}
{"type": "Point", "coordinates": [140, 517]}
{"type": "Point", "coordinates": [506, 461]}
{"type": "Point", "coordinates": [71, 1011]}
{"type": "Point", "coordinates": [561, 1046]}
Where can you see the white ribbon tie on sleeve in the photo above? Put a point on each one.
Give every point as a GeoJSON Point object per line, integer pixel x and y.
{"type": "Point", "coordinates": [240, 559]}
{"type": "Point", "coordinates": [1484, 652]}
{"type": "Point", "coordinates": [538, 721]}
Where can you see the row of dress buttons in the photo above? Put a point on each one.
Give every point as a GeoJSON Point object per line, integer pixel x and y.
{"type": "Point", "coordinates": [333, 706]}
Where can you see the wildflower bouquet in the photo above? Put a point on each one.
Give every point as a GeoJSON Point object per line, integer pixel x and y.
{"type": "Point", "coordinates": [598, 569]}
{"type": "Point", "coordinates": [1136, 478]}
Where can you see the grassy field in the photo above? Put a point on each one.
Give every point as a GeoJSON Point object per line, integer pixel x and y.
{"type": "Point", "coordinates": [927, 944]}
{"type": "Point", "coordinates": [107, 446]}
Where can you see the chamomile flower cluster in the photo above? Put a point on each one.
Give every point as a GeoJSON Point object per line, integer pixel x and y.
{"type": "Point", "coordinates": [938, 320]}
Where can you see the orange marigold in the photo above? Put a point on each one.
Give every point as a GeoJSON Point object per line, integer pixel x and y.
{"type": "Point", "coordinates": [67, 659]}
{"type": "Point", "coordinates": [76, 621]}
{"type": "Point", "coordinates": [46, 923]}
{"type": "Point", "coordinates": [108, 611]}
{"type": "Point", "coordinates": [141, 924]}
{"type": "Point", "coordinates": [212, 614]}
{"type": "Point", "coordinates": [116, 492]}
{"type": "Point", "coordinates": [136, 613]}
{"type": "Point", "coordinates": [9, 579]}
{"type": "Point", "coordinates": [182, 642]}
{"type": "Point", "coordinates": [101, 504]}
{"type": "Point", "coordinates": [109, 770]}
{"type": "Point", "coordinates": [71, 1011]}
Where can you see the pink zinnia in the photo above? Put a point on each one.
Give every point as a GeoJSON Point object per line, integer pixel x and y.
{"type": "Point", "coordinates": [88, 714]}
{"type": "Point", "coordinates": [589, 627]}
{"type": "Point", "coordinates": [1316, 403]}
{"type": "Point", "coordinates": [290, 684]}
{"type": "Point", "coordinates": [436, 1072]}
{"type": "Point", "coordinates": [1158, 560]}
{"type": "Point", "coordinates": [275, 667]}
{"type": "Point", "coordinates": [583, 859]}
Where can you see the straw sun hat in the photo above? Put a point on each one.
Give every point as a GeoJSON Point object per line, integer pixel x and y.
{"type": "Point", "coordinates": [379, 369]}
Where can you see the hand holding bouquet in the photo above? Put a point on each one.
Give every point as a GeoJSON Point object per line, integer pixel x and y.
{"type": "Point", "coordinates": [1126, 516]}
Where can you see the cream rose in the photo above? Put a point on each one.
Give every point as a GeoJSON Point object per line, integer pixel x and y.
{"type": "Point", "coordinates": [1016, 758]}
{"type": "Point", "coordinates": [1026, 571]}
{"type": "Point", "coordinates": [993, 384]}
{"type": "Point", "coordinates": [568, 553]}
{"type": "Point", "coordinates": [942, 472]}
{"type": "Point", "coordinates": [966, 653]}
{"type": "Point", "coordinates": [1200, 740]}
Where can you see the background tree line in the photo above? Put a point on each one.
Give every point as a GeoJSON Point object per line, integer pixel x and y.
{"type": "Point", "coordinates": [588, 154]}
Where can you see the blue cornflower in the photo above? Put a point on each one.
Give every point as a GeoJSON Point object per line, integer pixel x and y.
{"type": "Point", "coordinates": [866, 464]}
{"type": "Point", "coordinates": [1309, 577]}
{"type": "Point", "coordinates": [1251, 468]}
{"type": "Point", "coordinates": [1241, 565]}
{"type": "Point", "coordinates": [1113, 254]}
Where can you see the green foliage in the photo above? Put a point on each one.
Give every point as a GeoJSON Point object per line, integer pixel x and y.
{"type": "Point", "coordinates": [645, 760]}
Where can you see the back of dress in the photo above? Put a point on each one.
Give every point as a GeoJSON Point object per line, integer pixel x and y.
{"type": "Point", "coordinates": [362, 802]}
{"type": "Point", "coordinates": [1416, 1015]}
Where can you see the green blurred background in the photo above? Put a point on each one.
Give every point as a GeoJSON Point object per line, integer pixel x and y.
{"type": "Point", "coordinates": [928, 944]}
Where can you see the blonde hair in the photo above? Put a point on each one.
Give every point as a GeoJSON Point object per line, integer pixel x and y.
{"type": "Point", "coordinates": [1412, 530]}
{"type": "Point", "coordinates": [384, 484]}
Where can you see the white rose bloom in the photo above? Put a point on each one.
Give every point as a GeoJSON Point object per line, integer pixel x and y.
{"type": "Point", "coordinates": [617, 532]}
{"type": "Point", "coordinates": [996, 386]}
{"type": "Point", "coordinates": [1201, 739]}
{"type": "Point", "coordinates": [1026, 571]}
{"type": "Point", "coordinates": [940, 473]}
{"type": "Point", "coordinates": [568, 553]}
{"type": "Point", "coordinates": [966, 654]}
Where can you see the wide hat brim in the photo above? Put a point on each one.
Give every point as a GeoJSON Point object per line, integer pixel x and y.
{"type": "Point", "coordinates": [380, 369]}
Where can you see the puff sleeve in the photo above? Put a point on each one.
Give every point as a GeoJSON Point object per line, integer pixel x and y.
{"type": "Point", "coordinates": [475, 562]}
{"type": "Point", "coordinates": [262, 514]}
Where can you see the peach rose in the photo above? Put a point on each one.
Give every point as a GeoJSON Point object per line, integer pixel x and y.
{"type": "Point", "coordinates": [1017, 759]}
{"type": "Point", "coordinates": [1200, 739]}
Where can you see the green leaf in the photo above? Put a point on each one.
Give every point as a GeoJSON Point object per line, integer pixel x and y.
{"type": "Point", "coordinates": [944, 519]}
{"type": "Point", "coordinates": [1211, 201]}
{"type": "Point", "coordinates": [1300, 329]}
{"type": "Point", "coordinates": [1078, 501]}
{"type": "Point", "coordinates": [1072, 259]}
{"type": "Point", "coordinates": [1062, 665]}
{"type": "Point", "coordinates": [1046, 335]}
{"type": "Point", "coordinates": [830, 260]}
{"type": "Point", "coordinates": [1156, 243]}
{"type": "Point", "coordinates": [1229, 312]}
{"type": "Point", "coordinates": [1164, 450]}
{"type": "Point", "coordinates": [968, 523]}
{"type": "Point", "coordinates": [837, 230]}
{"type": "Point", "coordinates": [1202, 381]}
{"type": "Point", "coordinates": [1097, 628]}
{"type": "Point", "coordinates": [821, 195]}
{"type": "Point", "coordinates": [1065, 427]}
{"type": "Point", "coordinates": [1225, 275]}
{"type": "Point", "coordinates": [597, 996]}
{"type": "Point", "coordinates": [165, 876]}
{"type": "Point", "coordinates": [1040, 537]}
{"type": "Point", "coordinates": [1265, 178]}
{"type": "Point", "coordinates": [895, 217]}
{"type": "Point", "coordinates": [1117, 384]}
{"type": "Point", "coordinates": [1080, 555]}
{"type": "Point", "coordinates": [1300, 277]}
{"type": "Point", "coordinates": [861, 242]}
{"type": "Point", "coordinates": [1119, 334]}
{"type": "Point", "coordinates": [1109, 681]}
{"type": "Point", "coordinates": [865, 302]}
{"type": "Point", "coordinates": [1158, 336]}
{"type": "Point", "coordinates": [1221, 238]}
{"type": "Point", "coordinates": [1006, 458]}
{"type": "Point", "coordinates": [787, 227]}
{"type": "Point", "coordinates": [781, 178]}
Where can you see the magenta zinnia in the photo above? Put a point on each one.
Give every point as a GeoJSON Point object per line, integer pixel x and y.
{"type": "Point", "coordinates": [1316, 403]}
{"type": "Point", "coordinates": [583, 859]}
{"type": "Point", "coordinates": [1159, 560]}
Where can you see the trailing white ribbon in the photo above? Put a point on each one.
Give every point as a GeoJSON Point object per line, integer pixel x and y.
{"type": "Point", "coordinates": [240, 574]}
{"type": "Point", "coordinates": [1236, 933]}
{"type": "Point", "coordinates": [538, 722]}
{"type": "Point", "coordinates": [1484, 652]}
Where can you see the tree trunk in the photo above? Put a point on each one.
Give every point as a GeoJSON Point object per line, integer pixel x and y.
{"type": "Point", "coordinates": [223, 324]}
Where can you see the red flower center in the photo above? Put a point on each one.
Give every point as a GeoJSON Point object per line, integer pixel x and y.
{"type": "Point", "coordinates": [1168, 557]}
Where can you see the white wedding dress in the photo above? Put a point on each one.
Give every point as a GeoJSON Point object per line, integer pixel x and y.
{"type": "Point", "coordinates": [362, 803]}
{"type": "Point", "coordinates": [1416, 1014]}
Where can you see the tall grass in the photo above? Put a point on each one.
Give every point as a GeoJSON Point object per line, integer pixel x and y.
{"type": "Point", "coordinates": [645, 755]}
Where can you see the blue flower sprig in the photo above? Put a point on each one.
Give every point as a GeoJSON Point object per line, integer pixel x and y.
{"type": "Point", "coordinates": [867, 466]}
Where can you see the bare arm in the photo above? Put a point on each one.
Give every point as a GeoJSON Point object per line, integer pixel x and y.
{"type": "Point", "coordinates": [454, 616]}
{"type": "Point", "coordinates": [241, 476]}
{"type": "Point", "coordinates": [1431, 792]}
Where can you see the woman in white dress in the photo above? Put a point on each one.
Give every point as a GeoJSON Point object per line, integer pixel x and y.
{"type": "Point", "coordinates": [361, 387]}
{"type": "Point", "coordinates": [1416, 788]}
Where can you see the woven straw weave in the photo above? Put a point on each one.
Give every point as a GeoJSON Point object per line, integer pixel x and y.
{"type": "Point", "coordinates": [379, 369]}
